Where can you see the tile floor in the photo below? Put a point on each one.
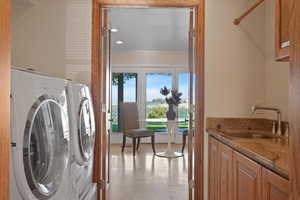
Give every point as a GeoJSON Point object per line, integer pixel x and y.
{"type": "Point", "coordinates": [147, 177]}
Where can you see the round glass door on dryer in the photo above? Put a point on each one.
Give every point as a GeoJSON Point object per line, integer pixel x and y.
{"type": "Point", "coordinates": [82, 136]}
{"type": "Point", "coordinates": [40, 136]}
{"type": "Point", "coordinates": [84, 133]}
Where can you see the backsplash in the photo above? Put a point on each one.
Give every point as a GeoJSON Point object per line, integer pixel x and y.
{"type": "Point", "coordinates": [241, 123]}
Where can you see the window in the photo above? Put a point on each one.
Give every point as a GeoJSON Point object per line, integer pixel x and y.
{"type": "Point", "coordinates": [124, 89]}
{"type": "Point", "coordinates": [156, 106]}
{"type": "Point", "coordinates": [183, 112]}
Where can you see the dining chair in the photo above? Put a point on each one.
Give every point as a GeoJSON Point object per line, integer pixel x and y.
{"type": "Point", "coordinates": [131, 128]}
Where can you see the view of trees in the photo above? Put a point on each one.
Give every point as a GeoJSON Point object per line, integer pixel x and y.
{"type": "Point", "coordinates": [123, 77]}
{"type": "Point", "coordinates": [157, 112]}
{"type": "Point", "coordinates": [125, 90]}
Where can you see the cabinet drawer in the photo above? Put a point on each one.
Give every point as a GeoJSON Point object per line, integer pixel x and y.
{"type": "Point", "coordinates": [275, 187]}
{"type": "Point", "coordinates": [247, 176]}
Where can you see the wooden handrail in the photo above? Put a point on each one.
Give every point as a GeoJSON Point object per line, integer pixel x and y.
{"type": "Point", "coordinates": [237, 21]}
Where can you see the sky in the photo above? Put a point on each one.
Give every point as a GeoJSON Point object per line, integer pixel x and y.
{"type": "Point", "coordinates": [154, 82]}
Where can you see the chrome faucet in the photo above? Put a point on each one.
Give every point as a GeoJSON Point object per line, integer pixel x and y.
{"type": "Point", "coordinates": [256, 107]}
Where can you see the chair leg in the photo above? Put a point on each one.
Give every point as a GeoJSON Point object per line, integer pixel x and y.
{"type": "Point", "coordinates": [134, 145]}
{"type": "Point", "coordinates": [153, 144]}
{"type": "Point", "coordinates": [124, 143]}
{"type": "Point", "coordinates": [138, 144]}
{"type": "Point", "coordinates": [184, 142]}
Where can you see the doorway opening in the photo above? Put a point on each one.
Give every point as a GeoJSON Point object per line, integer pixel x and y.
{"type": "Point", "coordinates": [150, 153]}
{"type": "Point", "coordinates": [102, 73]}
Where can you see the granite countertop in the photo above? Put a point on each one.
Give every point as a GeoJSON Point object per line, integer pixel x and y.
{"type": "Point", "coordinates": [271, 153]}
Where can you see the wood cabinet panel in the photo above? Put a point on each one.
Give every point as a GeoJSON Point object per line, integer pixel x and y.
{"type": "Point", "coordinates": [275, 187]}
{"type": "Point", "coordinates": [225, 172]}
{"type": "Point", "coordinates": [247, 178]}
{"type": "Point", "coordinates": [294, 99]}
{"type": "Point", "coordinates": [282, 30]}
{"type": "Point", "coordinates": [213, 169]}
{"type": "Point", "coordinates": [232, 176]}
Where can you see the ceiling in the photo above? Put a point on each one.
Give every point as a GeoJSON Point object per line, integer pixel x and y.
{"type": "Point", "coordinates": [150, 29]}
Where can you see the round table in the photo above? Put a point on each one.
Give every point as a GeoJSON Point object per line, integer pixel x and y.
{"type": "Point", "coordinates": [170, 152]}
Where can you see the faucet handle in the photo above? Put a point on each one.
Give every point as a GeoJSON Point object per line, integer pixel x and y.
{"type": "Point", "coordinates": [287, 130]}
{"type": "Point", "coordinates": [273, 127]}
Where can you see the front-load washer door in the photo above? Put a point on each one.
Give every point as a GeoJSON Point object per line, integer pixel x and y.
{"type": "Point", "coordinates": [45, 148]}
{"type": "Point", "coordinates": [86, 129]}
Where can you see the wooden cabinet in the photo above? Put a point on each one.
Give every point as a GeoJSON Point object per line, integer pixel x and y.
{"type": "Point", "coordinates": [225, 172]}
{"type": "Point", "coordinates": [213, 169]}
{"type": "Point", "coordinates": [233, 176]}
{"type": "Point", "coordinates": [246, 178]}
{"type": "Point", "coordinates": [220, 171]}
{"type": "Point", "coordinates": [282, 30]}
{"type": "Point", "coordinates": [275, 187]}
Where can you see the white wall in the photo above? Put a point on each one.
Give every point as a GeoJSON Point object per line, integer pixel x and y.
{"type": "Point", "coordinates": [235, 59]}
{"type": "Point", "coordinates": [277, 73]}
{"type": "Point", "coordinates": [53, 37]}
{"type": "Point", "coordinates": [39, 36]}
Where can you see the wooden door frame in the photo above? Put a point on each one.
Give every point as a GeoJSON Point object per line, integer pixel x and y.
{"type": "Point", "coordinates": [294, 99]}
{"type": "Point", "coordinates": [98, 73]}
{"type": "Point", "coordinates": [5, 57]}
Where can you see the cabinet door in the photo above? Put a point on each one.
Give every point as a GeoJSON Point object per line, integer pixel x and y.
{"type": "Point", "coordinates": [275, 187]}
{"type": "Point", "coordinates": [282, 30]}
{"type": "Point", "coordinates": [225, 172]}
{"type": "Point", "coordinates": [246, 178]}
{"type": "Point", "coordinates": [213, 169]}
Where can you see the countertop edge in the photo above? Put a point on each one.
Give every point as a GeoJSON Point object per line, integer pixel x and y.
{"type": "Point", "coordinates": [249, 154]}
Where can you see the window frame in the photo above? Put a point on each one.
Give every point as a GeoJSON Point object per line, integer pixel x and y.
{"type": "Point", "coordinates": [141, 71]}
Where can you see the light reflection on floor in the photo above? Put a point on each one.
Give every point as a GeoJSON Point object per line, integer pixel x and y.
{"type": "Point", "coordinates": [147, 177]}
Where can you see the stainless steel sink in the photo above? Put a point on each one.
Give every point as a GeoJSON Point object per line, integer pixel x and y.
{"type": "Point", "coordinates": [248, 134]}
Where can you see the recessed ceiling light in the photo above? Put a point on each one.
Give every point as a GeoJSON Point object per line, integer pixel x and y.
{"type": "Point", "coordinates": [119, 42]}
{"type": "Point", "coordinates": [114, 30]}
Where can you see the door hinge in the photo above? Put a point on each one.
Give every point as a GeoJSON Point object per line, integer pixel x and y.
{"type": "Point", "coordinates": [191, 184]}
{"type": "Point", "coordinates": [192, 109]}
{"type": "Point", "coordinates": [103, 184]}
{"type": "Point", "coordinates": [104, 31]}
{"type": "Point", "coordinates": [103, 108]}
{"type": "Point", "coordinates": [193, 33]}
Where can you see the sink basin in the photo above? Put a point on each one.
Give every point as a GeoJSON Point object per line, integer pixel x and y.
{"type": "Point", "coordinates": [248, 134]}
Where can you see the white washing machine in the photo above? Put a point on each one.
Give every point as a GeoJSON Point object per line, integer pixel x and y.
{"type": "Point", "coordinates": [40, 135]}
{"type": "Point", "coordinates": [82, 124]}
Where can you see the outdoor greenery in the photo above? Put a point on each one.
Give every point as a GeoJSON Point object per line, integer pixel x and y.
{"type": "Point", "coordinates": [156, 101]}
{"type": "Point", "coordinates": [156, 108]}
{"type": "Point", "coordinates": [157, 112]}
{"type": "Point", "coordinates": [126, 77]}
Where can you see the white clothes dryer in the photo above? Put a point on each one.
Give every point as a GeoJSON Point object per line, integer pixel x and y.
{"type": "Point", "coordinates": [90, 193]}
{"type": "Point", "coordinates": [82, 124]}
{"type": "Point", "coordinates": [40, 137]}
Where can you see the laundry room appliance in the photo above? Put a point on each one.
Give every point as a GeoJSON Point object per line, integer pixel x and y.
{"type": "Point", "coordinates": [40, 137]}
{"type": "Point", "coordinates": [82, 124]}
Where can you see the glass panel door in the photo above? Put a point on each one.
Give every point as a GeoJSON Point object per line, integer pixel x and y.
{"type": "Point", "coordinates": [183, 108]}
{"type": "Point", "coordinates": [124, 89]}
{"type": "Point", "coordinates": [192, 89]}
{"type": "Point", "coordinates": [156, 105]}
